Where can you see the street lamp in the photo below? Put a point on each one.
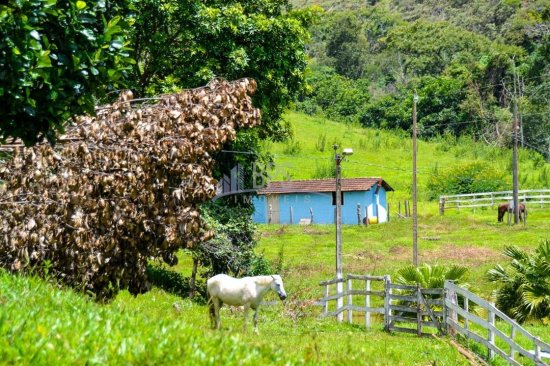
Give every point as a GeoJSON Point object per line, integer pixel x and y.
{"type": "Point", "coordinates": [414, 199]}
{"type": "Point", "coordinates": [338, 158]}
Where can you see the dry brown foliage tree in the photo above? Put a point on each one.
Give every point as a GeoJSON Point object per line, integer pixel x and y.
{"type": "Point", "coordinates": [119, 188]}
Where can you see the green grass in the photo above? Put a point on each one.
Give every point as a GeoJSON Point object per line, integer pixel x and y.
{"type": "Point", "coordinates": [388, 154]}
{"type": "Point", "coordinates": [41, 324]}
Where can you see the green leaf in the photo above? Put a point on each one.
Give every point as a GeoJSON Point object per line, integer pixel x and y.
{"type": "Point", "coordinates": [80, 5]}
{"type": "Point", "coordinates": [34, 34]}
{"type": "Point", "coordinates": [44, 60]}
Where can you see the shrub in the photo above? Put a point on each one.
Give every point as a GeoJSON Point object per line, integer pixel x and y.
{"type": "Point", "coordinates": [467, 178]}
{"type": "Point", "coordinates": [525, 288]}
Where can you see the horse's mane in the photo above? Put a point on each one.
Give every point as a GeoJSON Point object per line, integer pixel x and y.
{"type": "Point", "coordinates": [263, 280]}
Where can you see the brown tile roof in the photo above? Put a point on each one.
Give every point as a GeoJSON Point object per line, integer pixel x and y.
{"type": "Point", "coordinates": [323, 185]}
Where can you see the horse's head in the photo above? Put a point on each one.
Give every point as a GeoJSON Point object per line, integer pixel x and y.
{"type": "Point", "coordinates": [278, 287]}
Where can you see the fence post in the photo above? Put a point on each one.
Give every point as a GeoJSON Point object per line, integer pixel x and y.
{"type": "Point", "coordinates": [291, 215]}
{"type": "Point", "coordinates": [418, 310]}
{"type": "Point", "coordinates": [466, 308]}
{"type": "Point", "coordinates": [358, 214]}
{"type": "Point", "coordinates": [399, 209]}
{"type": "Point", "coordinates": [350, 300]}
{"type": "Point", "coordinates": [387, 294]}
{"type": "Point", "coordinates": [450, 296]}
{"type": "Point", "coordinates": [326, 295]}
{"type": "Point", "coordinates": [441, 205]}
{"type": "Point", "coordinates": [367, 304]}
{"type": "Point", "coordinates": [270, 217]}
{"type": "Point", "coordinates": [513, 338]}
{"type": "Point", "coordinates": [537, 352]}
{"type": "Point", "coordinates": [491, 334]}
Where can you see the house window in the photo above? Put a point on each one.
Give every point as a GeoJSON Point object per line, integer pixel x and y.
{"type": "Point", "coordinates": [334, 198]}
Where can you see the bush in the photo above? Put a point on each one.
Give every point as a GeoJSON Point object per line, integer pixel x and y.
{"type": "Point", "coordinates": [467, 178]}
{"type": "Point", "coordinates": [525, 288]}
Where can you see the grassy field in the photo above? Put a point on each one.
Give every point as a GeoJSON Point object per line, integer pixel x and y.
{"type": "Point", "coordinates": [388, 154]}
{"type": "Point", "coordinates": [43, 324]}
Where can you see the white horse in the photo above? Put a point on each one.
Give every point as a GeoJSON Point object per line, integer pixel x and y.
{"type": "Point", "coordinates": [247, 292]}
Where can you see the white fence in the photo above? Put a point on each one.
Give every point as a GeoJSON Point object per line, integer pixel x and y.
{"type": "Point", "coordinates": [530, 197]}
{"type": "Point", "coordinates": [440, 309]}
{"type": "Point", "coordinates": [460, 318]}
{"type": "Point", "coordinates": [348, 294]}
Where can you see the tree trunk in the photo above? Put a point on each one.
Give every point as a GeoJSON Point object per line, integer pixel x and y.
{"type": "Point", "coordinates": [193, 277]}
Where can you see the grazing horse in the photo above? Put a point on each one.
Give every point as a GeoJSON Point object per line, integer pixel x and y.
{"type": "Point", "coordinates": [247, 292]}
{"type": "Point", "coordinates": [506, 207]}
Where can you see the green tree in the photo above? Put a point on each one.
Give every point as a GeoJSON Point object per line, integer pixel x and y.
{"type": "Point", "coordinates": [524, 292]}
{"type": "Point", "coordinates": [337, 96]}
{"type": "Point", "coordinates": [186, 43]}
{"type": "Point", "coordinates": [56, 58]}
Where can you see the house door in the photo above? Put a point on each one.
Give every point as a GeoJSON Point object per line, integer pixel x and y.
{"type": "Point", "coordinates": [273, 211]}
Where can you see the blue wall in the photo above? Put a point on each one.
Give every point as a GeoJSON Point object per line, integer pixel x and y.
{"type": "Point", "coordinates": [321, 203]}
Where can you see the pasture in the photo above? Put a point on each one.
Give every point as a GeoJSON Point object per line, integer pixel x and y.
{"type": "Point", "coordinates": [41, 323]}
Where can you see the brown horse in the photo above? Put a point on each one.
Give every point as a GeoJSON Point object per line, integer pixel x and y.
{"type": "Point", "coordinates": [505, 207]}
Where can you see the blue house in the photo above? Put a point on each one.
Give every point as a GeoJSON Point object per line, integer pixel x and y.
{"type": "Point", "coordinates": [298, 201]}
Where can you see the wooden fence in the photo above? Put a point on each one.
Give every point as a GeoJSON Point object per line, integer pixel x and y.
{"type": "Point", "coordinates": [407, 309]}
{"type": "Point", "coordinates": [348, 294]}
{"type": "Point", "coordinates": [531, 197]}
{"type": "Point", "coordinates": [414, 306]}
{"type": "Point", "coordinates": [459, 319]}
{"type": "Point", "coordinates": [419, 308]}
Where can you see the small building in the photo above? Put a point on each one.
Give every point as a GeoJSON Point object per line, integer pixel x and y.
{"type": "Point", "coordinates": [314, 201]}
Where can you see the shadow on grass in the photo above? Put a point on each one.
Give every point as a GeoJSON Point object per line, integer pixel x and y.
{"type": "Point", "coordinates": [175, 283]}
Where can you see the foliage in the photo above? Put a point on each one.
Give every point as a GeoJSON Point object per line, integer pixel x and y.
{"type": "Point", "coordinates": [56, 58]}
{"type": "Point", "coordinates": [124, 189]}
{"type": "Point", "coordinates": [470, 177]}
{"type": "Point", "coordinates": [185, 43]}
{"type": "Point", "coordinates": [524, 292]}
{"type": "Point", "coordinates": [428, 276]}
{"type": "Point", "coordinates": [337, 96]}
{"type": "Point", "coordinates": [231, 249]}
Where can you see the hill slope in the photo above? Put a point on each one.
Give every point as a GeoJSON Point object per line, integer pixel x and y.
{"type": "Point", "coordinates": [388, 154]}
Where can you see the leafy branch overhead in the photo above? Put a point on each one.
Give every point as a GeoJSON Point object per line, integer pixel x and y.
{"type": "Point", "coordinates": [55, 58]}
{"type": "Point", "coordinates": [120, 188]}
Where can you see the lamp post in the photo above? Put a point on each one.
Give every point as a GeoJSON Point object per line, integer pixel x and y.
{"type": "Point", "coordinates": [414, 215]}
{"type": "Point", "coordinates": [338, 158]}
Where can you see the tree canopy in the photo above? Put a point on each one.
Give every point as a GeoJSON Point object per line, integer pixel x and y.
{"type": "Point", "coordinates": [56, 58]}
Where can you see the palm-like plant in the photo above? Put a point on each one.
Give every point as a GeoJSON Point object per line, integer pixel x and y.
{"type": "Point", "coordinates": [525, 288]}
{"type": "Point", "coordinates": [428, 276]}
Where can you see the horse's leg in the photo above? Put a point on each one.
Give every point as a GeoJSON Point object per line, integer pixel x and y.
{"type": "Point", "coordinates": [256, 319]}
{"type": "Point", "coordinates": [246, 308]}
{"type": "Point", "coordinates": [211, 312]}
{"type": "Point", "coordinates": [217, 306]}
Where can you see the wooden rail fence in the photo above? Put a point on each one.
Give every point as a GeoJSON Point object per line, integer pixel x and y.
{"type": "Point", "coordinates": [529, 197]}
{"type": "Point", "coordinates": [459, 319]}
{"type": "Point", "coordinates": [348, 294]}
{"type": "Point", "coordinates": [418, 308]}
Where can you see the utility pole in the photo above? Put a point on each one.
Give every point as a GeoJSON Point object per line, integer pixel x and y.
{"type": "Point", "coordinates": [338, 200]}
{"type": "Point", "coordinates": [414, 199]}
{"type": "Point", "coordinates": [515, 181]}
{"type": "Point", "coordinates": [515, 188]}
{"type": "Point", "coordinates": [339, 274]}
